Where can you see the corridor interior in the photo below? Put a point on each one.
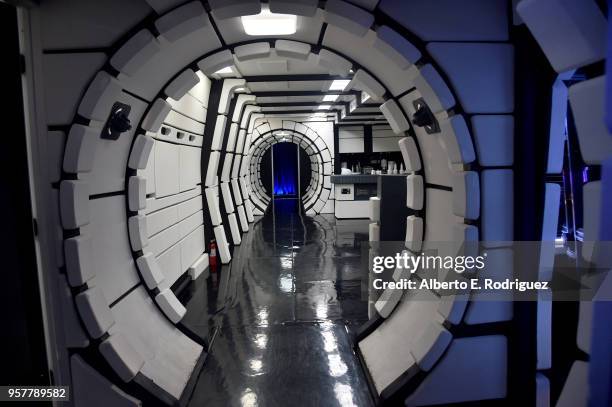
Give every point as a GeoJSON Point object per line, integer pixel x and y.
{"type": "Point", "coordinates": [170, 273]}
{"type": "Point", "coordinates": [283, 313]}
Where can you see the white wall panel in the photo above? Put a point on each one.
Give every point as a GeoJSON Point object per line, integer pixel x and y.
{"type": "Point", "coordinates": [115, 271]}
{"type": "Point", "coordinates": [167, 179]}
{"type": "Point", "coordinates": [190, 171]}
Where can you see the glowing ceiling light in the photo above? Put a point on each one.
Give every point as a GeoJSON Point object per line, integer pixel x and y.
{"type": "Point", "coordinates": [268, 23]}
{"type": "Point", "coordinates": [324, 107]}
{"type": "Point", "coordinates": [339, 84]}
{"type": "Point", "coordinates": [241, 89]}
{"type": "Point", "coordinates": [226, 70]}
{"type": "Point", "coordinates": [318, 114]}
{"type": "Point", "coordinates": [330, 98]}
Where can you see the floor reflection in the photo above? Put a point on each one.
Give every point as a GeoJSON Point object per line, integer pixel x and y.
{"type": "Point", "coordinates": [284, 310]}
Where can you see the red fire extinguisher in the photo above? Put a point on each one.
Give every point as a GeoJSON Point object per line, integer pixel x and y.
{"type": "Point", "coordinates": [212, 255]}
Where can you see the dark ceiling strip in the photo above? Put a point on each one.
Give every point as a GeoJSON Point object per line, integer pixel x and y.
{"type": "Point", "coordinates": [354, 122]}
{"type": "Point", "coordinates": [292, 78]}
{"type": "Point", "coordinates": [281, 104]}
{"type": "Point", "coordinates": [361, 119]}
{"type": "Point", "coordinates": [106, 195]}
{"type": "Point", "coordinates": [330, 112]}
{"type": "Point", "coordinates": [364, 114]}
{"type": "Point", "coordinates": [305, 93]}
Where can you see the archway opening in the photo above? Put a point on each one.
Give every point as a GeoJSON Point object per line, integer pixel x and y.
{"type": "Point", "coordinates": [285, 171]}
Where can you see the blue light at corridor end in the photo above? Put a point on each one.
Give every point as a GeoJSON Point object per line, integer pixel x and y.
{"type": "Point", "coordinates": [285, 169]}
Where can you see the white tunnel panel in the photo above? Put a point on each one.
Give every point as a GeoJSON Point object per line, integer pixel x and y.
{"type": "Point", "coordinates": [182, 22]}
{"type": "Point", "coordinates": [414, 233]}
{"type": "Point", "coordinates": [171, 58]}
{"type": "Point", "coordinates": [115, 272]}
{"type": "Point", "coordinates": [79, 255]}
{"type": "Point", "coordinates": [94, 311]}
{"type": "Point", "coordinates": [125, 218]}
{"type": "Point", "coordinates": [135, 52]}
{"type": "Point", "coordinates": [168, 366]}
{"type": "Point", "coordinates": [212, 198]}
{"type": "Point", "coordinates": [181, 84]}
{"type": "Point", "coordinates": [222, 9]}
{"type": "Point", "coordinates": [348, 17]}
{"type": "Point", "coordinates": [587, 100]}
{"type": "Point", "coordinates": [170, 305]}
{"type": "Point", "coordinates": [414, 192]}
{"type": "Point", "coordinates": [121, 356]}
{"type": "Point", "coordinates": [571, 33]}
{"type": "Point", "coordinates": [80, 149]}
{"type": "Point", "coordinates": [149, 270]}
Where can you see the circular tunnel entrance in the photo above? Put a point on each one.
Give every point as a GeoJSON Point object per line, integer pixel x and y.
{"type": "Point", "coordinates": [285, 170]}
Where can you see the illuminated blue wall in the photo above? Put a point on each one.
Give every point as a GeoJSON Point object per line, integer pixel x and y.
{"type": "Point", "coordinates": [285, 169]}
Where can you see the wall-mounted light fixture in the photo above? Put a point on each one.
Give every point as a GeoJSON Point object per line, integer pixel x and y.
{"type": "Point", "coordinates": [118, 121]}
{"type": "Point", "coordinates": [423, 117]}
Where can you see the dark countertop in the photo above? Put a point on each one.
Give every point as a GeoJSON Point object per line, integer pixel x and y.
{"type": "Point", "coordinates": [361, 178]}
{"type": "Point", "coordinates": [355, 179]}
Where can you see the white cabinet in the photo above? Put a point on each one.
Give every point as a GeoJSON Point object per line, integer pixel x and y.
{"type": "Point", "coordinates": [350, 139]}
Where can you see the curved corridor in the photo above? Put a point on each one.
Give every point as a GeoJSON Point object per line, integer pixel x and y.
{"type": "Point", "coordinates": [284, 313]}
{"type": "Point", "coordinates": [192, 182]}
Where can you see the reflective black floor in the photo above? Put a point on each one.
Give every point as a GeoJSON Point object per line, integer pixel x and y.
{"type": "Point", "coordinates": [284, 310]}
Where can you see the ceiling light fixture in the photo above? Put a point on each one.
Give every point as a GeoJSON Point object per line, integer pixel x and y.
{"type": "Point", "coordinates": [324, 107]}
{"type": "Point", "coordinates": [268, 23]}
{"type": "Point", "coordinates": [330, 98]}
{"type": "Point", "coordinates": [339, 84]}
{"type": "Point", "coordinates": [226, 70]}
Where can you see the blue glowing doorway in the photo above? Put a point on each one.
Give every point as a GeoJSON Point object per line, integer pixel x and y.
{"type": "Point", "coordinates": [285, 168]}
